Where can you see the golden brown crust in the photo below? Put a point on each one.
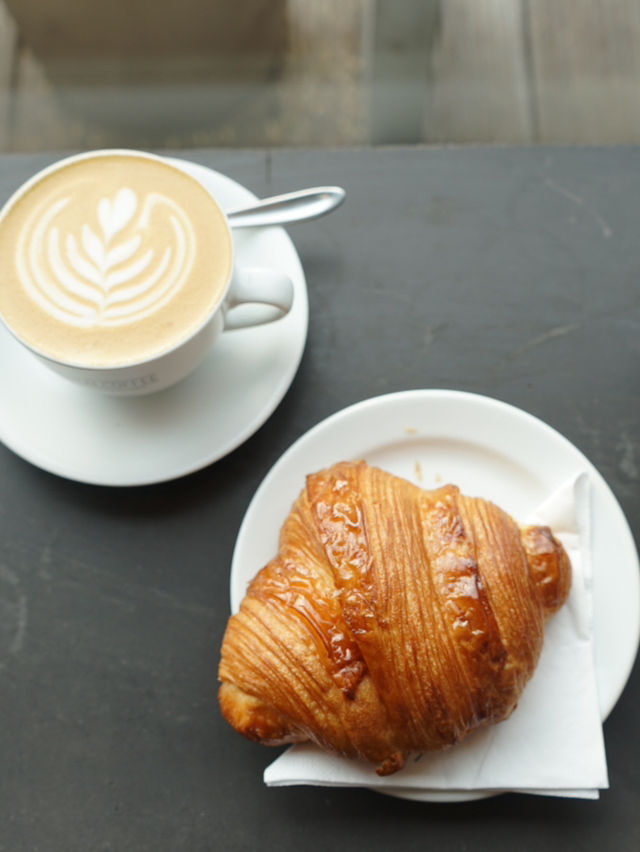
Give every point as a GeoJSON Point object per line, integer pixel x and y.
{"type": "Point", "coordinates": [549, 566]}
{"type": "Point", "coordinates": [392, 620]}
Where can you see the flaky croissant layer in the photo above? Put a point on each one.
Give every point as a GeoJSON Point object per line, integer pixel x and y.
{"type": "Point", "coordinates": [392, 620]}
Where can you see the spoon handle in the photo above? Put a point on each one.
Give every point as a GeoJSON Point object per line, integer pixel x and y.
{"type": "Point", "coordinates": [290, 207]}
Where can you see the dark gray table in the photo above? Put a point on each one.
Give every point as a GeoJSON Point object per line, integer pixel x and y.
{"type": "Point", "coordinates": [513, 273]}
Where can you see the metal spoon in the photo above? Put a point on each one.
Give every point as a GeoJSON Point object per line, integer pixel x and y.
{"type": "Point", "coordinates": [290, 207]}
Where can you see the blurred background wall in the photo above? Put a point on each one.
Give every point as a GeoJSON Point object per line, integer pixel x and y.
{"type": "Point", "coordinates": [246, 73]}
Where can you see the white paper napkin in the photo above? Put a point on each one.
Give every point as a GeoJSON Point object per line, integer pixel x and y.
{"type": "Point", "coordinates": [552, 744]}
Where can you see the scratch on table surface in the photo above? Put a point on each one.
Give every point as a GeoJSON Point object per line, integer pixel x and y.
{"type": "Point", "coordinates": [432, 332]}
{"type": "Point", "coordinates": [46, 561]}
{"type": "Point", "coordinates": [391, 293]}
{"type": "Point", "coordinates": [604, 226]}
{"type": "Point", "coordinates": [628, 463]}
{"type": "Point", "coordinates": [540, 339]}
{"type": "Point", "coordinates": [13, 609]}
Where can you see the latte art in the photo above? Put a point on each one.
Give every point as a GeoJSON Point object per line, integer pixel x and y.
{"type": "Point", "coordinates": [112, 259]}
{"type": "Point", "coordinates": [99, 277]}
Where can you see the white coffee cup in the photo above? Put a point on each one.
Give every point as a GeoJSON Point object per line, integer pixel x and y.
{"type": "Point", "coordinates": [55, 292]}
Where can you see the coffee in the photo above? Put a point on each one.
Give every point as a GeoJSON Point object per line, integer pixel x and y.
{"type": "Point", "coordinates": [112, 259]}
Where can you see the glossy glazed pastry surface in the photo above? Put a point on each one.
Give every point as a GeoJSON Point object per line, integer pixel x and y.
{"type": "Point", "coordinates": [392, 620]}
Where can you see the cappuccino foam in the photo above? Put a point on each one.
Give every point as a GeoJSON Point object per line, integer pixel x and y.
{"type": "Point", "coordinates": [112, 259]}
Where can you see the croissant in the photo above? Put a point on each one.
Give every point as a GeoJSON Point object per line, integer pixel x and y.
{"type": "Point", "coordinates": [393, 619]}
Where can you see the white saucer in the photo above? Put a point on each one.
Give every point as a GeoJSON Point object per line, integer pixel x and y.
{"type": "Point", "coordinates": [488, 448]}
{"type": "Point", "coordinates": [84, 436]}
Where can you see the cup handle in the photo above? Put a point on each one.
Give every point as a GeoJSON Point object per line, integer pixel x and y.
{"type": "Point", "coordinates": [257, 285]}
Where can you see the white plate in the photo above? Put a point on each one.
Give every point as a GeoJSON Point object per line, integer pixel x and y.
{"type": "Point", "coordinates": [83, 435]}
{"type": "Point", "coordinates": [488, 448]}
